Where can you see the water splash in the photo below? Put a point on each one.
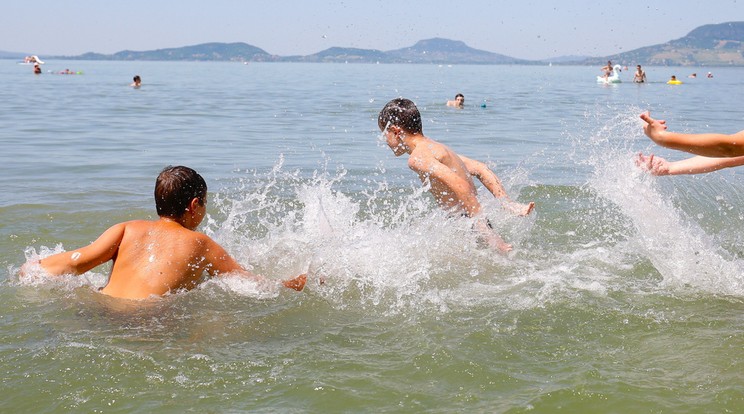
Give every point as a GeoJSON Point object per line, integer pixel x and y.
{"type": "Point", "coordinates": [680, 250]}
{"type": "Point", "coordinates": [380, 241]}
{"type": "Point", "coordinates": [387, 245]}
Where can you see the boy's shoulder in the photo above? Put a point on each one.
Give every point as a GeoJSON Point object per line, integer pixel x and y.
{"type": "Point", "coordinates": [160, 229]}
{"type": "Point", "coordinates": [431, 148]}
{"type": "Point", "coordinates": [162, 226]}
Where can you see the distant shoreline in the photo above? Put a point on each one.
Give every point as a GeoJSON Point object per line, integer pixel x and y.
{"type": "Point", "coordinates": [714, 45]}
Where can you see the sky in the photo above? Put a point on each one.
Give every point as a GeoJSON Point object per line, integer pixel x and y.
{"type": "Point", "coordinates": [523, 29]}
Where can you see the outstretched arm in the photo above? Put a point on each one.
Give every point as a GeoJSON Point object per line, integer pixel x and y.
{"type": "Point", "coordinates": [709, 144]}
{"type": "Point", "coordinates": [695, 165]}
{"type": "Point", "coordinates": [220, 262]}
{"type": "Point", "coordinates": [81, 260]}
{"type": "Point", "coordinates": [492, 182]}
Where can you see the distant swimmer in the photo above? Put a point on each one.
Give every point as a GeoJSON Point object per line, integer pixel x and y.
{"type": "Point", "coordinates": [674, 81]}
{"type": "Point", "coordinates": [692, 75]}
{"type": "Point", "coordinates": [459, 101]}
{"type": "Point", "coordinates": [37, 69]}
{"type": "Point", "coordinates": [136, 81]}
{"type": "Point", "coordinates": [448, 175]}
{"type": "Point", "coordinates": [640, 75]}
{"type": "Point", "coordinates": [710, 75]}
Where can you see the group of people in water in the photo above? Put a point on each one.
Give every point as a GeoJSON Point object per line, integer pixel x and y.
{"type": "Point", "coordinates": [155, 257]}
{"type": "Point", "coordinates": [37, 71]}
{"type": "Point", "coordinates": [640, 74]}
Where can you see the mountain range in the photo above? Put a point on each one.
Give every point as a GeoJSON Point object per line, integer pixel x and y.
{"type": "Point", "coordinates": [709, 45]}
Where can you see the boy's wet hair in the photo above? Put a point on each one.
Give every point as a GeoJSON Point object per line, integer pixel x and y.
{"type": "Point", "coordinates": [175, 187]}
{"type": "Point", "coordinates": [402, 113]}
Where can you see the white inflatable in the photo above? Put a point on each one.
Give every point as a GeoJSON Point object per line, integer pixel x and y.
{"type": "Point", "coordinates": [31, 60]}
{"type": "Point", "coordinates": [614, 76]}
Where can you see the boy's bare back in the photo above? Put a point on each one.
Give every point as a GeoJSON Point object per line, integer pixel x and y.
{"type": "Point", "coordinates": [157, 257]}
{"type": "Point", "coordinates": [149, 258]}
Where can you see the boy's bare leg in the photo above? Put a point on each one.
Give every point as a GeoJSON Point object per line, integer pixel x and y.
{"type": "Point", "coordinates": [488, 236]}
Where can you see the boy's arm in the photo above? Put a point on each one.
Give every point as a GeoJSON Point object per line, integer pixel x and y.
{"type": "Point", "coordinates": [220, 262]}
{"type": "Point", "coordinates": [484, 174]}
{"type": "Point", "coordinates": [695, 165]}
{"type": "Point", "coordinates": [435, 170]}
{"type": "Point", "coordinates": [492, 182]}
{"type": "Point", "coordinates": [79, 261]}
{"type": "Point", "coordinates": [709, 144]}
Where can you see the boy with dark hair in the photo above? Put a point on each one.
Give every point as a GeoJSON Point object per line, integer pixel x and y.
{"type": "Point", "coordinates": [448, 174]}
{"type": "Point", "coordinates": [160, 256]}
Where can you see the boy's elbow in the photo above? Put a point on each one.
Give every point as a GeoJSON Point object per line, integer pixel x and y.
{"type": "Point", "coordinates": [477, 168]}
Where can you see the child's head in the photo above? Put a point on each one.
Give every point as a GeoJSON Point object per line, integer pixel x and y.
{"type": "Point", "coordinates": [175, 187]}
{"type": "Point", "coordinates": [402, 113]}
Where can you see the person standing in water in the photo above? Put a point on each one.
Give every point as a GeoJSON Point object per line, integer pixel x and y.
{"type": "Point", "coordinates": [607, 70]}
{"type": "Point", "coordinates": [640, 75]}
{"type": "Point", "coordinates": [448, 174]}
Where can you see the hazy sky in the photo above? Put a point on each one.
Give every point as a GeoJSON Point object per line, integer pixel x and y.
{"type": "Point", "coordinates": [523, 29]}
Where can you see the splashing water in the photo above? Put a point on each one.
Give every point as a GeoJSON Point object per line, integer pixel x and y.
{"type": "Point", "coordinates": [678, 247]}
{"type": "Point", "coordinates": [386, 245]}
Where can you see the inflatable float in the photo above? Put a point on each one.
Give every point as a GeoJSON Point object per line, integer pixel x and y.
{"type": "Point", "coordinates": [31, 60]}
{"type": "Point", "coordinates": [674, 82]}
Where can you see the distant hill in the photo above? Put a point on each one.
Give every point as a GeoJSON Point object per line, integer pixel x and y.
{"type": "Point", "coordinates": [712, 45]}
{"type": "Point", "coordinates": [342, 55]}
{"type": "Point", "coordinates": [11, 55]}
{"type": "Point", "coordinates": [709, 45]}
{"type": "Point", "coordinates": [425, 51]}
{"type": "Point", "coordinates": [439, 50]}
{"type": "Point", "coordinates": [206, 51]}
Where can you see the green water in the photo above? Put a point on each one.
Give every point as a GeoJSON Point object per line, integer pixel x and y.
{"type": "Point", "coordinates": [624, 292]}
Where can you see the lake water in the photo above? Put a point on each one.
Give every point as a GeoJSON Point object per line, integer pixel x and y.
{"type": "Point", "coordinates": [625, 292]}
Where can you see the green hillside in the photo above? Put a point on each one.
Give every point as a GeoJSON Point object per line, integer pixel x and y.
{"type": "Point", "coordinates": [709, 45]}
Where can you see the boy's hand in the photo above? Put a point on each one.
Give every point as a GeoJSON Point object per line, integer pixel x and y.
{"type": "Point", "coordinates": [297, 283]}
{"type": "Point", "coordinates": [652, 164]}
{"type": "Point", "coordinates": [28, 268]}
{"type": "Point", "coordinates": [653, 127]}
{"type": "Point", "coordinates": [519, 208]}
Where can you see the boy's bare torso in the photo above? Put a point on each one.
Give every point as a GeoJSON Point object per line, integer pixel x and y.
{"type": "Point", "coordinates": [155, 257]}
{"type": "Point", "coordinates": [450, 181]}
